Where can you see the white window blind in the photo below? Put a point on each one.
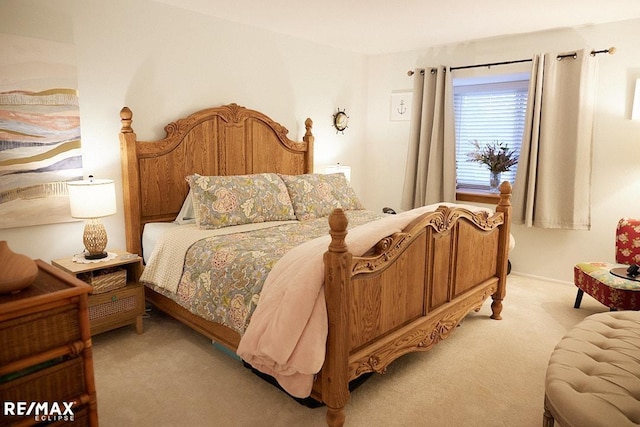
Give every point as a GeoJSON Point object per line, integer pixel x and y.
{"type": "Point", "coordinates": [487, 113]}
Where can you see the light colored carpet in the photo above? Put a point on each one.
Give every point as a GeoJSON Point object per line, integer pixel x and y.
{"type": "Point", "coordinates": [487, 373]}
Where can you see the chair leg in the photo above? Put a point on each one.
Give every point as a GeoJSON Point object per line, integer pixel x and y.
{"type": "Point", "coordinates": [578, 298]}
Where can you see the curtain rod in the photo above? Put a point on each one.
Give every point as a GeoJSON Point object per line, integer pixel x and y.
{"type": "Point", "coordinates": [610, 51]}
{"type": "Point", "coordinates": [517, 61]}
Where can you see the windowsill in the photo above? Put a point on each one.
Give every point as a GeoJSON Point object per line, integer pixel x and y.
{"type": "Point", "coordinates": [477, 196]}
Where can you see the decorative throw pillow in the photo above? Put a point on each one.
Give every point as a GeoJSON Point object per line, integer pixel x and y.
{"type": "Point", "coordinates": [221, 201]}
{"type": "Point", "coordinates": [317, 195]}
{"type": "Point", "coordinates": [343, 192]}
{"type": "Point", "coordinates": [186, 214]}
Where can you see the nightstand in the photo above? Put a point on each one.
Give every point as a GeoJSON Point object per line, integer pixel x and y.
{"type": "Point", "coordinates": [110, 309]}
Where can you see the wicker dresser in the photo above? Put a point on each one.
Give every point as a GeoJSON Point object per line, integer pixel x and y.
{"type": "Point", "coordinates": [45, 353]}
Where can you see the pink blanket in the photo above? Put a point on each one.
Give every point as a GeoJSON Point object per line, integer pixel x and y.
{"type": "Point", "coordinates": [286, 337]}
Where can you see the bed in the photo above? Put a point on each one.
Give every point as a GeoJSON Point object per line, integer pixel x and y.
{"type": "Point", "coordinates": [401, 292]}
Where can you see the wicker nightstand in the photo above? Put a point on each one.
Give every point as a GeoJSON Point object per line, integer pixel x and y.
{"type": "Point", "coordinates": [117, 298]}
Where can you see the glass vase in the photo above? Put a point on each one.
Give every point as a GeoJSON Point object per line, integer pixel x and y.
{"type": "Point", "coordinates": [494, 182]}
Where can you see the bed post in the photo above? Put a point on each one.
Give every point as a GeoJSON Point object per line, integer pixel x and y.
{"type": "Point", "coordinates": [335, 384]}
{"type": "Point", "coordinates": [504, 206]}
{"type": "Point", "coordinates": [309, 138]}
{"type": "Point", "coordinates": [130, 180]}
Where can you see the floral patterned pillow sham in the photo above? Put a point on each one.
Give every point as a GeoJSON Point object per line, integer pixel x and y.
{"type": "Point", "coordinates": [222, 201]}
{"type": "Point", "coordinates": [343, 192]}
{"type": "Point", "coordinates": [317, 195]}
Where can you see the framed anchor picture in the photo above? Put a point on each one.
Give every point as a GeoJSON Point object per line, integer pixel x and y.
{"type": "Point", "coordinates": [401, 106]}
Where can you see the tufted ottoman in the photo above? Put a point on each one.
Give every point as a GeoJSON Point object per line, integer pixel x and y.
{"type": "Point", "coordinates": [593, 377]}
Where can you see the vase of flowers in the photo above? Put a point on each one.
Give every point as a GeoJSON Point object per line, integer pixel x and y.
{"type": "Point", "coordinates": [497, 157]}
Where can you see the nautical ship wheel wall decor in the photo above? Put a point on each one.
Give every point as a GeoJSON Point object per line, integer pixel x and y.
{"type": "Point", "coordinates": [340, 121]}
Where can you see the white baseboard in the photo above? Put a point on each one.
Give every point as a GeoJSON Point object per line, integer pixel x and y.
{"type": "Point", "coordinates": [546, 279]}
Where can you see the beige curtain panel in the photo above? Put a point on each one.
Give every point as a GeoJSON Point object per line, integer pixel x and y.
{"type": "Point", "coordinates": [553, 181]}
{"type": "Point", "coordinates": [430, 174]}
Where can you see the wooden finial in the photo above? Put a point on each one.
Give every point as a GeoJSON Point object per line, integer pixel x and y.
{"type": "Point", "coordinates": [308, 136]}
{"type": "Point", "coordinates": [308, 124]}
{"type": "Point", "coordinates": [338, 224]}
{"type": "Point", "coordinates": [505, 194]}
{"type": "Point", "coordinates": [125, 118]}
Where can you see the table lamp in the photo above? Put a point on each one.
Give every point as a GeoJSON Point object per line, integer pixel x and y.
{"type": "Point", "coordinates": [93, 199]}
{"type": "Point", "coordinates": [338, 168]}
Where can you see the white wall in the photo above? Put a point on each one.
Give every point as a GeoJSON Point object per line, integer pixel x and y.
{"type": "Point", "coordinates": [616, 171]}
{"type": "Point", "coordinates": [165, 63]}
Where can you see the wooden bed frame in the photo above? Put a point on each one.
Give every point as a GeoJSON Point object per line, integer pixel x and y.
{"type": "Point", "coordinates": [406, 294]}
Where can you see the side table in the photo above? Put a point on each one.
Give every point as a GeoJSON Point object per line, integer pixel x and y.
{"type": "Point", "coordinates": [111, 308]}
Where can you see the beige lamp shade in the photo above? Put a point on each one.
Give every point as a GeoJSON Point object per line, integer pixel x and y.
{"type": "Point", "coordinates": [92, 198]}
{"type": "Point", "coordinates": [338, 168]}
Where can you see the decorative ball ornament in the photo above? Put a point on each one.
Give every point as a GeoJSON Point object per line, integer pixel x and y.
{"type": "Point", "coordinates": [340, 121]}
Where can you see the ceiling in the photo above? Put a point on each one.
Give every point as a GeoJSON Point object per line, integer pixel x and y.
{"type": "Point", "coordinates": [378, 27]}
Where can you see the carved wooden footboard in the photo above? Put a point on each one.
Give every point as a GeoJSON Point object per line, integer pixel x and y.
{"type": "Point", "coordinates": [409, 292]}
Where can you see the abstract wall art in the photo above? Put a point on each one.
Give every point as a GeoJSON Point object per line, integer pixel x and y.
{"type": "Point", "coordinates": [40, 145]}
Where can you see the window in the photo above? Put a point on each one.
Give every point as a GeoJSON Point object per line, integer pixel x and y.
{"type": "Point", "coordinates": [487, 110]}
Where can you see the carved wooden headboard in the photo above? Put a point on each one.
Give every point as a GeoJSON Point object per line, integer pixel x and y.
{"type": "Point", "coordinates": [226, 140]}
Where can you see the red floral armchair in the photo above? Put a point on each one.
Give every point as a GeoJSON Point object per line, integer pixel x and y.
{"type": "Point", "coordinates": [596, 279]}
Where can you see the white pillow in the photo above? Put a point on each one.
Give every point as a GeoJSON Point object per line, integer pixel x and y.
{"type": "Point", "coordinates": [186, 215]}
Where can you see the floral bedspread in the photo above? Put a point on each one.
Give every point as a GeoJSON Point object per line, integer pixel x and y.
{"type": "Point", "coordinates": [223, 275]}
